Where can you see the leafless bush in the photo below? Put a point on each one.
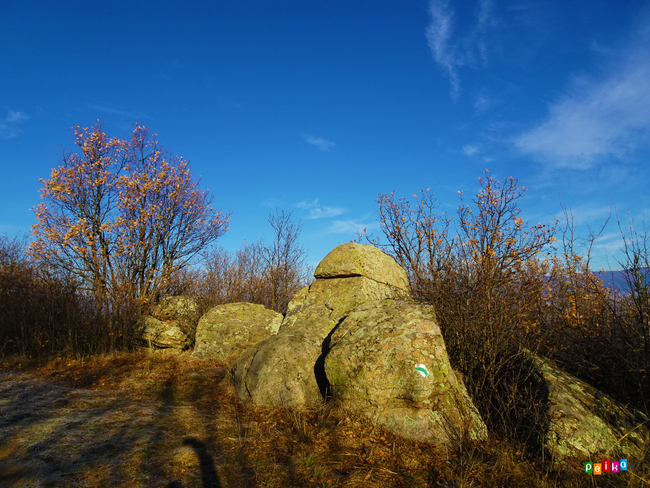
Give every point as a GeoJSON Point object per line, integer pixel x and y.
{"type": "Point", "coordinates": [269, 274]}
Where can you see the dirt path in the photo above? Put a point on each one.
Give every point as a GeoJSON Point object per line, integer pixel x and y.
{"type": "Point", "coordinates": [138, 421]}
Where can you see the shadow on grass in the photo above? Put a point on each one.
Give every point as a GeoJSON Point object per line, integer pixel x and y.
{"type": "Point", "coordinates": [209, 476]}
{"type": "Point", "coordinates": [54, 435]}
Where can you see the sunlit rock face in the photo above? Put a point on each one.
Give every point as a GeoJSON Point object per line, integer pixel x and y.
{"type": "Point", "coordinates": [226, 331]}
{"type": "Point", "coordinates": [288, 368]}
{"type": "Point", "coordinates": [388, 360]}
{"type": "Point", "coordinates": [582, 421]}
{"type": "Point", "coordinates": [356, 335]}
{"type": "Point", "coordinates": [171, 324]}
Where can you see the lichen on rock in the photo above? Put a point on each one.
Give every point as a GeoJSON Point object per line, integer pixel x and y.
{"type": "Point", "coordinates": [225, 331]}
{"type": "Point", "coordinates": [388, 360]}
{"type": "Point", "coordinates": [583, 421]}
{"type": "Point", "coordinates": [287, 369]}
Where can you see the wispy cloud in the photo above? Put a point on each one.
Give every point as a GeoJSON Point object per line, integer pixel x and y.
{"type": "Point", "coordinates": [109, 109]}
{"type": "Point", "coordinates": [454, 52]}
{"type": "Point", "coordinates": [272, 202]}
{"type": "Point", "coordinates": [317, 211]}
{"type": "Point", "coordinates": [438, 36]}
{"type": "Point", "coordinates": [318, 142]}
{"type": "Point", "coordinates": [597, 118]}
{"type": "Point", "coordinates": [351, 226]}
{"type": "Point", "coordinates": [470, 149]}
{"type": "Point", "coordinates": [484, 102]}
{"type": "Point", "coordinates": [9, 126]}
{"type": "Point", "coordinates": [586, 214]}
{"type": "Point", "coordinates": [16, 116]}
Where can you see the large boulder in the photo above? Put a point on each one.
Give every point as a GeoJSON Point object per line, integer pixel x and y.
{"type": "Point", "coordinates": [159, 334]}
{"type": "Point", "coordinates": [288, 368]}
{"type": "Point", "coordinates": [179, 311]}
{"type": "Point", "coordinates": [388, 360]}
{"type": "Point", "coordinates": [582, 421]}
{"type": "Point", "coordinates": [352, 259]}
{"type": "Point", "coordinates": [225, 331]}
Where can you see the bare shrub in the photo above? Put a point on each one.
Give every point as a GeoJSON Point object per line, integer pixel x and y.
{"type": "Point", "coordinates": [269, 274]}
{"type": "Point", "coordinates": [481, 269]}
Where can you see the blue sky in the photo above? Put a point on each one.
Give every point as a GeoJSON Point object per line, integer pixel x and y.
{"type": "Point", "coordinates": [316, 107]}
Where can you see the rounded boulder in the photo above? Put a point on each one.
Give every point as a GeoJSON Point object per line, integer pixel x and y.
{"type": "Point", "coordinates": [352, 259]}
{"type": "Point", "coordinates": [388, 360]}
{"type": "Point", "coordinates": [225, 331]}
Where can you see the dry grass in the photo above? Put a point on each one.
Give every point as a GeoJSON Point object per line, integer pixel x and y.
{"type": "Point", "coordinates": [166, 421]}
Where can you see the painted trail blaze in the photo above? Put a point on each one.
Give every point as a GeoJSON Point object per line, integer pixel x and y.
{"type": "Point", "coordinates": [422, 369]}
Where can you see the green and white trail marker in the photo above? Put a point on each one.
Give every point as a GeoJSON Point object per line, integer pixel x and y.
{"type": "Point", "coordinates": [422, 369]}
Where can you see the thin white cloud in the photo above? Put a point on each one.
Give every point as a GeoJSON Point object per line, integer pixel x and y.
{"type": "Point", "coordinates": [317, 211]}
{"type": "Point", "coordinates": [438, 36]}
{"type": "Point", "coordinates": [351, 227]}
{"type": "Point", "coordinates": [8, 132]}
{"type": "Point", "coordinates": [484, 102]}
{"type": "Point", "coordinates": [598, 118]}
{"type": "Point", "coordinates": [133, 116]}
{"type": "Point", "coordinates": [16, 116]}
{"type": "Point", "coordinates": [9, 126]}
{"type": "Point", "coordinates": [451, 53]}
{"type": "Point", "coordinates": [306, 205]}
{"type": "Point", "coordinates": [272, 202]}
{"type": "Point", "coordinates": [470, 149]}
{"type": "Point", "coordinates": [587, 214]}
{"type": "Point", "coordinates": [318, 142]}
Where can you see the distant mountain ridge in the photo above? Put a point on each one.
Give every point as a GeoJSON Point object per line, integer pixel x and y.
{"type": "Point", "coordinates": [618, 280]}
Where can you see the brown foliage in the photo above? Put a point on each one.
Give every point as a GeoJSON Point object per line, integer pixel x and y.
{"type": "Point", "coordinates": [499, 286]}
{"type": "Point", "coordinates": [156, 420]}
{"type": "Point", "coordinates": [122, 216]}
{"type": "Point", "coordinates": [46, 314]}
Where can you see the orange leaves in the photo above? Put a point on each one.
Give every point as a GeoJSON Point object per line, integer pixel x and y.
{"type": "Point", "coordinates": [123, 212]}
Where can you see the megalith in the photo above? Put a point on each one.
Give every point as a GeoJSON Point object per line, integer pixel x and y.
{"type": "Point", "coordinates": [388, 360]}
{"type": "Point", "coordinates": [288, 367]}
{"type": "Point", "coordinates": [227, 330]}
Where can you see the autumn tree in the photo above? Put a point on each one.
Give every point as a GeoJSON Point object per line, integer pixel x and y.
{"type": "Point", "coordinates": [418, 238]}
{"type": "Point", "coordinates": [123, 216]}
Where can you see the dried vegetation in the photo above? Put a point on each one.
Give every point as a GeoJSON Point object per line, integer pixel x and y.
{"type": "Point", "coordinates": [159, 420]}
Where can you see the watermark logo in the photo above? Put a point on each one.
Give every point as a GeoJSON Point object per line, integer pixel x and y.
{"type": "Point", "coordinates": [606, 466]}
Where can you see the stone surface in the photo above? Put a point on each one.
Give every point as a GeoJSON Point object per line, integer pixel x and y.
{"type": "Point", "coordinates": [388, 360]}
{"type": "Point", "coordinates": [164, 335]}
{"type": "Point", "coordinates": [288, 368]}
{"type": "Point", "coordinates": [352, 259]}
{"type": "Point", "coordinates": [225, 331]}
{"type": "Point", "coordinates": [183, 310]}
{"type": "Point", "coordinates": [583, 421]}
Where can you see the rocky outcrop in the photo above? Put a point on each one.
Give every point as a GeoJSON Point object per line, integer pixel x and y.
{"type": "Point", "coordinates": [583, 421]}
{"type": "Point", "coordinates": [352, 259]}
{"type": "Point", "coordinates": [158, 334]}
{"type": "Point", "coordinates": [356, 335]}
{"type": "Point", "coordinates": [288, 368]}
{"type": "Point", "coordinates": [388, 360]}
{"type": "Point", "coordinates": [225, 331]}
{"type": "Point", "coordinates": [172, 322]}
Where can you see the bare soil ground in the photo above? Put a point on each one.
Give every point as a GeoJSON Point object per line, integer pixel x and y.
{"type": "Point", "coordinates": [167, 421]}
